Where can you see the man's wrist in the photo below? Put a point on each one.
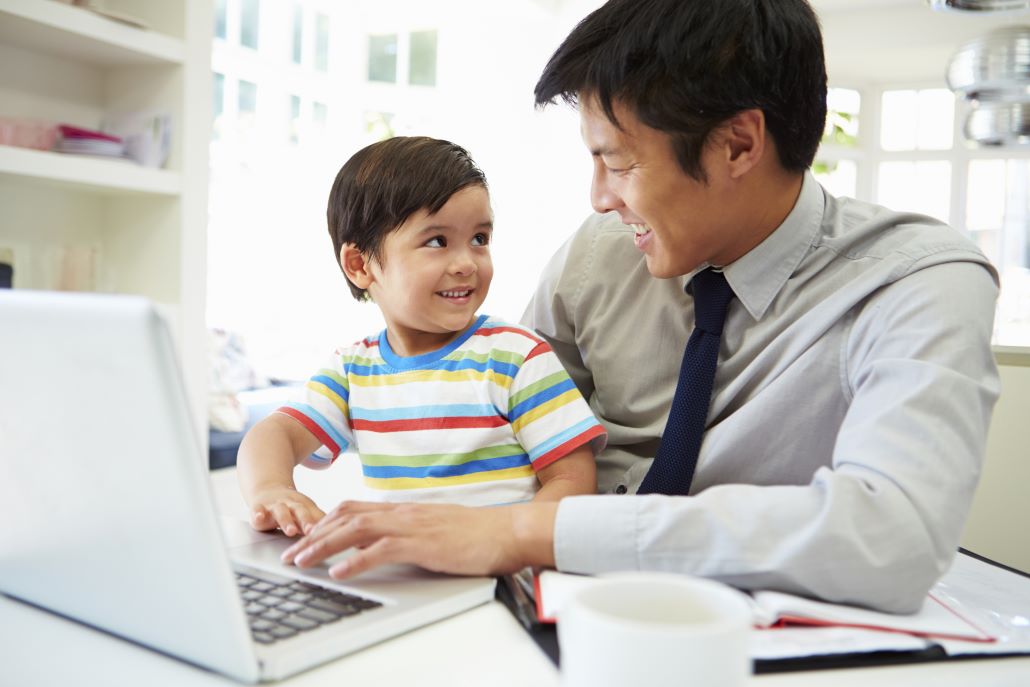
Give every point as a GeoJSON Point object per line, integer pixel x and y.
{"type": "Point", "coordinates": [533, 529]}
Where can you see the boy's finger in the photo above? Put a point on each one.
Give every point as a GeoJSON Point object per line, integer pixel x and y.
{"type": "Point", "coordinates": [284, 518]}
{"type": "Point", "coordinates": [260, 519]}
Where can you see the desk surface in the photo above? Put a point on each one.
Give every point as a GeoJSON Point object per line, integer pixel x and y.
{"type": "Point", "coordinates": [482, 646]}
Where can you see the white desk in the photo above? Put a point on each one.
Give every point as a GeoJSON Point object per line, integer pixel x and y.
{"type": "Point", "coordinates": [484, 646]}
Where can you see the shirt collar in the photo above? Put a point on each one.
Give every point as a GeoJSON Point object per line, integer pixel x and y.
{"type": "Point", "coordinates": [758, 275]}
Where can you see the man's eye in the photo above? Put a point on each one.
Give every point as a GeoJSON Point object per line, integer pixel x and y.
{"type": "Point", "coordinates": [480, 239]}
{"type": "Point", "coordinates": [437, 242]}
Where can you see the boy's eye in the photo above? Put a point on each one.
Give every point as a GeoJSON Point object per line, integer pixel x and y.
{"type": "Point", "coordinates": [480, 239]}
{"type": "Point", "coordinates": [437, 242]}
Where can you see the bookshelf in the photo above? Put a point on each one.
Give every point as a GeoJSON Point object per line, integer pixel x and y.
{"type": "Point", "coordinates": [142, 230]}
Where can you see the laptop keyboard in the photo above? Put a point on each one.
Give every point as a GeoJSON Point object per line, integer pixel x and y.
{"type": "Point", "coordinates": [280, 608]}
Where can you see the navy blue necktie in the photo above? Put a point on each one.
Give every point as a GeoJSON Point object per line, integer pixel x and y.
{"type": "Point", "coordinates": [673, 467]}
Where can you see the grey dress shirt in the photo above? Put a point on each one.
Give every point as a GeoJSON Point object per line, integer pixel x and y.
{"type": "Point", "coordinates": [849, 413]}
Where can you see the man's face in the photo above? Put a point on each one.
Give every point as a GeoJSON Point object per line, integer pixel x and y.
{"type": "Point", "coordinates": [679, 221]}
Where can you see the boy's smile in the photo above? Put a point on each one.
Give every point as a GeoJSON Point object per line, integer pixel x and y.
{"type": "Point", "coordinates": [434, 273]}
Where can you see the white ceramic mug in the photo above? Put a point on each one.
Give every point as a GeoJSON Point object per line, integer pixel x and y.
{"type": "Point", "coordinates": [655, 630]}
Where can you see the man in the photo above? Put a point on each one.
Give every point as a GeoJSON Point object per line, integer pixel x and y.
{"type": "Point", "coordinates": [847, 418]}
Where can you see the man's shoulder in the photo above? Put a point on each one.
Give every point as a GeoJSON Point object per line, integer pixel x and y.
{"type": "Point", "coordinates": [860, 230]}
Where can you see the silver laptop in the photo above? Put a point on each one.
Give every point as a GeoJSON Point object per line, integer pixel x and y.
{"type": "Point", "coordinates": [110, 516]}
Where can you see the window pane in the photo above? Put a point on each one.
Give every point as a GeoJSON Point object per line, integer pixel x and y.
{"type": "Point", "coordinates": [382, 58]}
{"type": "Point", "coordinates": [298, 33]}
{"type": "Point", "coordinates": [936, 119]}
{"type": "Point", "coordinates": [249, 23]}
{"type": "Point", "coordinates": [248, 97]}
{"type": "Point", "coordinates": [218, 98]}
{"type": "Point", "coordinates": [294, 123]}
{"type": "Point", "coordinates": [923, 187]}
{"type": "Point", "coordinates": [379, 126]}
{"type": "Point", "coordinates": [321, 42]}
{"type": "Point", "coordinates": [918, 120]}
{"type": "Point", "coordinates": [1012, 321]}
{"type": "Point", "coordinates": [422, 65]}
{"type": "Point", "coordinates": [900, 117]}
{"type": "Point", "coordinates": [842, 108]}
{"type": "Point", "coordinates": [220, 17]}
{"type": "Point", "coordinates": [319, 113]}
{"type": "Point", "coordinates": [839, 178]}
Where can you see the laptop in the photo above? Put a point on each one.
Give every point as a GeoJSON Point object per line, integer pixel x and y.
{"type": "Point", "coordinates": [116, 526]}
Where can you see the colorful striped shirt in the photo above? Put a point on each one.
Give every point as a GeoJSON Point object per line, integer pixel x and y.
{"type": "Point", "coordinates": [469, 423]}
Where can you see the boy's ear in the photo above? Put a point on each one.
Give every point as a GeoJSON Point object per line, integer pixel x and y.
{"type": "Point", "coordinates": [355, 265]}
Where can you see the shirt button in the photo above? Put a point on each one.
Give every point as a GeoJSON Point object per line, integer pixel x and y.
{"type": "Point", "coordinates": [621, 489]}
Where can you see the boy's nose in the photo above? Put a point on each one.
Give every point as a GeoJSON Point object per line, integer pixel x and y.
{"type": "Point", "coordinates": [463, 264]}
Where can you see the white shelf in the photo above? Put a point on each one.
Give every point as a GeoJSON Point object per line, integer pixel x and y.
{"type": "Point", "coordinates": [109, 177]}
{"type": "Point", "coordinates": [76, 33]}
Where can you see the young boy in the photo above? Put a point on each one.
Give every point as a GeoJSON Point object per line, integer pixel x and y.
{"type": "Point", "coordinates": [445, 405]}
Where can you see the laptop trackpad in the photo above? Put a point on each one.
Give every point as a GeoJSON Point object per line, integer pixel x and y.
{"type": "Point", "coordinates": [262, 550]}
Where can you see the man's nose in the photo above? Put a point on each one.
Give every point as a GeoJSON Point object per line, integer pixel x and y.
{"type": "Point", "coordinates": [602, 197]}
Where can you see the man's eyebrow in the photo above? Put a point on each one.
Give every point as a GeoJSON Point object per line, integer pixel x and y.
{"type": "Point", "coordinates": [605, 150]}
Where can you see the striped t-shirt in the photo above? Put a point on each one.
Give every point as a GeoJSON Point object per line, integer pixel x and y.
{"type": "Point", "coordinates": [469, 423]}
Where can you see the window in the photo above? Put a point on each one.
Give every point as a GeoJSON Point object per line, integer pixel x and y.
{"type": "Point", "coordinates": [294, 119]}
{"type": "Point", "coordinates": [923, 187]}
{"type": "Point", "coordinates": [319, 114]}
{"type": "Point", "coordinates": [917, 120]}
{"type": "Point", "coordinates": [217, 103]}
{"type": "Point", "coordinates": [998, 220]}
{"type": "Point", "coordinates": [220, 18]}
{"type": "Point", "coordinates": [247, 98]}
{"type": "Point", "coordinates": [422, 59]}
{"type": "Point", "coordinates": [298, 33]}
{"type": "Point", "coordinates": [382, 58]}
{"type": "Point", "coordinates": [249, 23]}
{"type": "Point", "coordinates": [321, 42]}
{"type": "Point", "coordinates": [833, 167]}
{"type": "Point", "coordinates": [918, 164]}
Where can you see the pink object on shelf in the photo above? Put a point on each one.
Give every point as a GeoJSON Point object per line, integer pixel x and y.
{"type": "Point", "coordinates": [69, 131]}
{"type": "Point", "coordinates": [27, 133]}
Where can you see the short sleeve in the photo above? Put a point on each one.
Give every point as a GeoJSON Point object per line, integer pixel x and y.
{"type": "Point", "coordinates": [547, 412]}
{"type": "Point", "coordinates": [323, 408]}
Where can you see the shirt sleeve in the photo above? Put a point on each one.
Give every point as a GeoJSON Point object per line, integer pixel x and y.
{"type": "Point", "coordinates": [547, 413]}
{"type": "Point", "coordinates": [879, 525]}
{"type": "Point", "coordinates": [322, 408]}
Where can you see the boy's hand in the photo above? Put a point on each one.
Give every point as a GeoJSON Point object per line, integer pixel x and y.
{"type": "Point", "coordinates": [285, 508]}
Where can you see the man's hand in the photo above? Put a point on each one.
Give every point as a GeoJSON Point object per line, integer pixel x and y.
{"type": "Point", "coordinates": [442, 538]}
{"type": "Point", "coordinates": [285, 508]}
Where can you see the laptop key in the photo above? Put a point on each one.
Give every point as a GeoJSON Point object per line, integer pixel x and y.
{"type": "Point", "coordinates": [271, 613]}
{"type": "Point", "coordinates": [290, 606]}
{"type": "Point", "coordinates": [318, 616]}
{"type": "Point", "coordinates": [264, 637]}
{"type": "Point", "coordinates": [262, 586]}
{"type": "Point", "coordinates": [298, 622]}
{"type": "Point", "coordinates": [257, 609]}
{"type": "Point", "coordinates": [335, 607]}
{"type": "Point", "coordinates": [282, 632]}
{"type": "Point", "coordinates": [260, 624]}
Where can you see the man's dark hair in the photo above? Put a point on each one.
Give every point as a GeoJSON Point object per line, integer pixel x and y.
{"type": "Point", "coordinates": [384, 184]}
{"type": "Point", "coordinates": [686, 66]}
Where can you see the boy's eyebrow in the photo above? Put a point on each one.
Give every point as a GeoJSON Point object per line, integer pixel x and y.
{"type": "Point", "coordinates": [447, 227]}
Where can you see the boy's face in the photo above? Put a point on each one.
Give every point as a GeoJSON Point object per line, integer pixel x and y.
{"type": "Point", "coordinates": [680, 222]}
{"type": "Point", "coordinates": [435, 272]}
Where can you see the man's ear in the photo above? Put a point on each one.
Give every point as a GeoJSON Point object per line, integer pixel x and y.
{"type": "Point", "coordinates": [356, 265]}
{"type": "Point", "coordinates": [744, 141]}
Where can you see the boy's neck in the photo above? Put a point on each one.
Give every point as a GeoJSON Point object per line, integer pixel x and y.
{"type": "Point", "coordinates": [408, 343]}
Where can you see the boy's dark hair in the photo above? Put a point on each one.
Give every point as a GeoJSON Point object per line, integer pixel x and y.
{"type": "Point", "coordinates": [384, 184]}
{"type": "Point", "coordinates": [686, 66]}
